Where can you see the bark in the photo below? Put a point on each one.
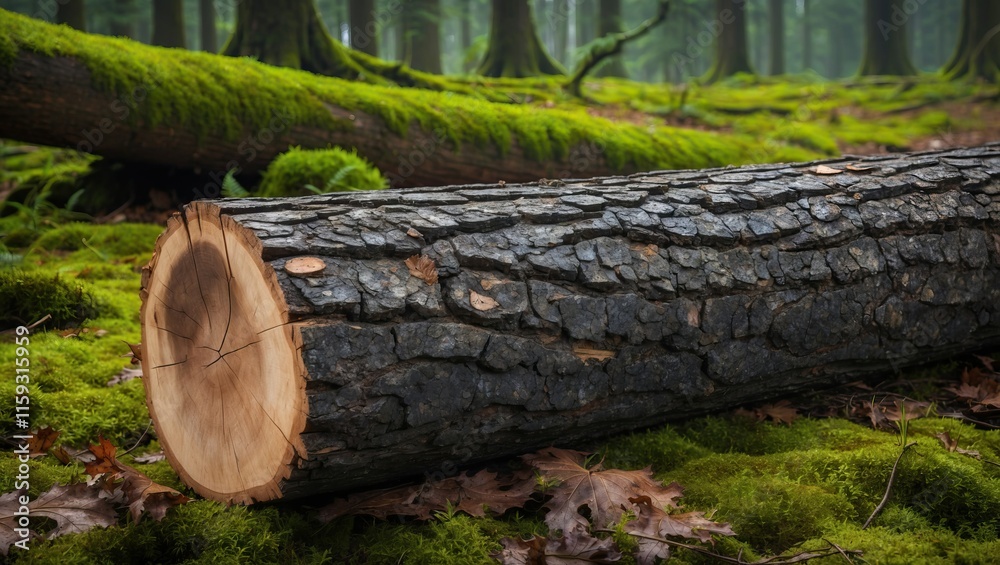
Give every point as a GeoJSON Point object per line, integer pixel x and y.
{"type": "Point", "coordinates": [514, 49]}
{"type": "Point", "coordinates": [806, 37]}
{"type": "Point", "coordinates": [586, 28]}
{"type": "Point", "coordinates": [610, 23]}
{"type": "Point", "coordinates": [559, 313]}
{"type": "Point", "coordinates": [72, 13]}
{"type": "Point", "coordinates": [206, 21]}
{"type": "Point", "coordinates": [53, 101]}
{"type": "Point", "coordinates": [560, 21]}
{"type": "Point", "coordinates": [885, 41]}
{"type": "Point", "coordinates": [288, 34]}
{"type": "Point", "coordinates": [422, 35]}
{"type": "Point", "coordinates": [777, 38]}
{"type": "Point", "coordinates": [731, 45]}
{"type": "Point", "coordinates": [122, 21]}
{"type": "Point", "coordinates": [977, 55]}
{"type": "Point", "coordinates": [168, 23]}
{"type": "Point", "coordinates": [364, 28]}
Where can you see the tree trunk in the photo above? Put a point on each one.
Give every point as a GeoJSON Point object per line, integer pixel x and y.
{"type": "Point", "coordinates": [586, 28]}
{"type": "Point", "coordinates": [208, 35]}
{"type": "Point", "coordinates": [731, 44]}
{"type": "Point", "coordinates": [977, 55]}
{"type": "Point", "coordinates": [122, 21]}
{"type": "Point", "coordinates": [422, 35]}
{"type": "Point", "coordinates": [885, 41]}
{"type": "Point", "coordinates": [514, 49]}
{"type": "Point", "coordinates": [610, 22]}
{"type": "Point", "coordinates": [364, 27]}
{"type": "Point", "coordinates": [168, 23]}
{"type": "Point", "coordinates": [806, 37]}
{"type": "Point", "coordinates": [561, 21]}
{"type": "Point", "coordinates": [72, 13]}
{"type": "Point", "coordinates": [289, 348]}
{"type": "Point", "coordinates": [288, 34]}
{"type": "Point", "coordinates": [776, 8]}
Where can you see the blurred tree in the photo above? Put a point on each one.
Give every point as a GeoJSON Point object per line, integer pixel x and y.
{"type": "Point", "coordinates": [885, 41]}
{"type": "Point", "coordinates": [977, 55]}
{"type": "Point", "coordinates": [731, 42]}
{"type": "Point", "coordinates": [807, 37]}
{"type": "Point", "coordinates": [586, 28]}
{"type": "Point", "coordinates": [560, 19]}
{"type": "Point", "coordinates": [364, 27]}
{"type": "Point", "coordinates": [206, 21]}
{"type": "Point", "coordinates": [168, 23]}
{"type": "Point", "coordinates": [288, 34]}
{"type": "Point", "coordinates": [609, 21]}
{"type": "Point", "coordinates": [72, 13]}
{"type": "Point", "coordinates": [777, 36]}
{"type": "Point", "coordinates": [514, 48]}
{"type": "Point", "coordinates": [422, 35]}
{"type": "Point", "coordinates": [121, 21]}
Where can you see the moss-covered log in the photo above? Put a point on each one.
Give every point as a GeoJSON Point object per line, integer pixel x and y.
{"type": "Point", "coordinates": [293, 346]}
{"type": "Point", "coordinates": [132, 102]}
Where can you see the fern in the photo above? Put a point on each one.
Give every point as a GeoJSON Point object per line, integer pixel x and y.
{"type": "Point", "coordinates": [337, 180]}
{"type": "Point", "coordinates": [231, 188]}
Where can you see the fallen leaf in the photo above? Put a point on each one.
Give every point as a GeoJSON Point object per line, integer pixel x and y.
{"type": "Point", "coordinates": [150, 457]}
{"type": "Point", "coordinates": [124, 376]}
{"type": "Point", "coordinates": [481, 302]}
{"type": "Point", "coordinates": [653, 522]}
{"type": "Point", "coordinates": [74, 508]}
{"type": "Point", "coordinates": [41, 441]}
{"type": "Point", "coordinates": [138, 491]}
{"type": "Point", "coordinates": [585, 353]}
{"type": "Point", "coordinates": [877, 416]}
{"type": "Point", "coordinates": [136, 352]}
{"type": "Point", "coordinates": [860, 167]}
{"type": "Point", "coordinates": [62, 455]}
{"type": "Point", "coordinates": [604, 492]}
{"type": "Point", "coordinates": [414, 233]}
{"type": "Point", "coordinates": [422, 267]}
{"type": "Point", "coordinates": [573, 549]}
{"type": "Point", "coordinates": [911, 408]}
{"type": "Point", "coordinates": [986, 361]}
{"type": "Point", "coordinates": [952, 446]}
{"type": "Point", "coordinates": [824, 170]}
{"type": "Point", "coordinates": [781, 412]}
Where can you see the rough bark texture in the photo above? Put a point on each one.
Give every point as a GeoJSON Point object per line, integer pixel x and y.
{"type": "Point", "coordinates": [885, 41]}
{"type": "Point", "coordinates": [168, 23]}
{"type": "Point", "coordinates": [977, 55]}
{"type": "Point", "coordinates": [731, 53]}
{"type": "Point", "coordinates": [514, 49]}
{"type": "Point", "coordinates": [571, 311]}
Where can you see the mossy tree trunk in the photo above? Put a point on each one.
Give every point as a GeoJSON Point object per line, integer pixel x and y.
{"type": "Point", "coordinates": [168, 23]}
{"type": "Point", "coordinates": [206, 15]}
{"type": "Point", "coordinates": [978, 53]}
{"type": "Point", "coordinates": [776, 9]}
{"type": "Point", "coordinates": [731, 54]}
{"type": "Point", "coordinates": [515, 49]}
{"type": "Point", "coordinates": [72, 13]}
{"type": "Point", "coordinates": [885, 42]}
{"type": "Point", "coordinates": [122, 21]}
{"type": "Point", "coordinates": [364, 27]}
{"type": "Point", "coordinates": [610, 22]}
{"type": "Point", "coordinates": [288, 34]}
{"type": "Point", "coordinates": [422, 35]}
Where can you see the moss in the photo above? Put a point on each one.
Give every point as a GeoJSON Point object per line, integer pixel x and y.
{"type": "Point", "coordinates": [28, 297]}
{"type": "Point", "coordinates": [456, 539]}
{"type": "Point", "coordinates": [326, 170]}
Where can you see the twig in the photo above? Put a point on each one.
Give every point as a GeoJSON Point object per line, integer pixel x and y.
{"type": "Point", "coordinates": [44, 319]}
{"type": "Point", "coordinates": [776, 560]}
{"type": "Point", "coordinates": [839, 550]}
{"type": "Point", "coordinates": [960, 416]}
{"type": "Point", "coordinates": [888, 488]}
{"type": "Point", "coordinates": [140, 437]}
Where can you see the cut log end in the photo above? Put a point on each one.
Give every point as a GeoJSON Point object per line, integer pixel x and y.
{"type": "Point", "coordinates": [222, 373]}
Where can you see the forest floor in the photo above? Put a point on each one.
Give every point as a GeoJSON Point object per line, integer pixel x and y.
{"type": "Point", "coordinates": [788, 477]}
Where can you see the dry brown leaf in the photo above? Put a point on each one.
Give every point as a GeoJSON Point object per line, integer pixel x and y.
{"type": "Point", "coordinates": [41, 441]}
{"type": "Point", "coordinates": [585, 353]}
{"type": "Point", "coordinates": [952, 445]}
{"type": "Point", "coordinates": [62, 455]}
{"type": "Point", "coordinates": [825, 170]}
{"type": "Point", "coordinates": [912, 408]}
{"type": "Point", "coordinates": [604, 492]}
{"type": "Point", "coordinates": [135, 352]}
{"type": "Point", "coordinates": [74, 508]}
{"type": "Point", "coordinates": [987, 362]}
{"type": "Point", "coordinates": [482, 302]}
{"type": "Point", "coordinates": [422, 267]}
{"type": "Point", "coordinates": [150, 457]}
{"type": "Point", "coordinates": [414, 233]}
{"type": "Point", "coordinates": [487, 284]}
{"type": "Point", "coordinates": [860, 167]}
{"type": "Point", "coordinates": [138, 491]}
{"type": "Point", "coordinates": [877, 416]}
{"type": "Point", "coordinates": [653, 522]}
{"type": "Point", "coordinates": [124, 376]}
{"type": "Point", "coordinates": [573, 549]}
{"type": "Point", "coordinates": [781, 412]}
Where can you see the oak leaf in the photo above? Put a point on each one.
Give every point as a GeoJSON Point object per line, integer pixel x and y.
{"type": "Point", "coordinates": [41, 441]}
{"type": "Point", "coordinates": [605, 493]}
{"type": "Point", "coordinates": [74, 508]}
{"type": "Point", "coordinates": [132, 487]}
{"type": "Point", "coordinates": [422, 267]}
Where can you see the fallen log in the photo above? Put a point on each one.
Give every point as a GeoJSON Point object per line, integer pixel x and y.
{"type": "Point", "coordinates": [323, 343]}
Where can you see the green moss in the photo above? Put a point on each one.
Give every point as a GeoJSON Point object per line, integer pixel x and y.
{"type": "Point", "coordinates": [28, 297]}
{"type": "Point", "coordinates": [326, 170]}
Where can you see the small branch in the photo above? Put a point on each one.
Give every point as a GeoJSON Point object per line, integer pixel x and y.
{"type": "Point", "coordinates": [776, 560]}
{"type": "Point", "coordinates": [144, 432]}
{"type": "Point", "coordinates": [888, 488]}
